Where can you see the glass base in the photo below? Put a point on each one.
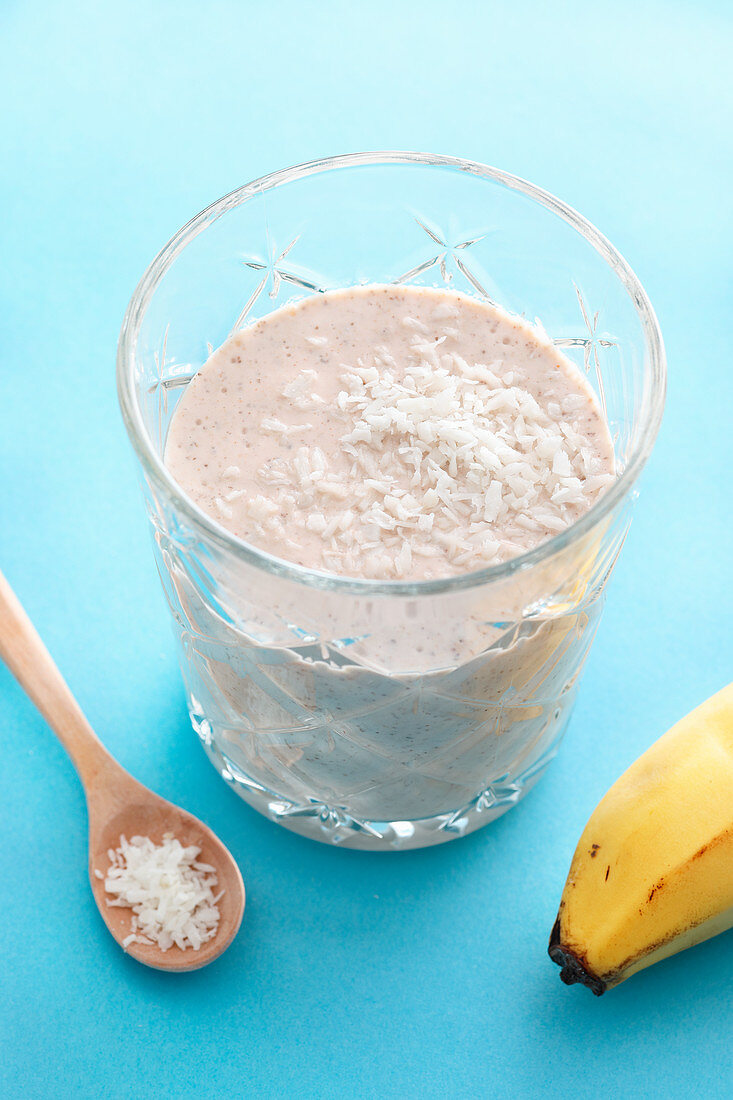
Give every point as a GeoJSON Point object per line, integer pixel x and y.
{"type": "Point", "coordinates": [334, 825]}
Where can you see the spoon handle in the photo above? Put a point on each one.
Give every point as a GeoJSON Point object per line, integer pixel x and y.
{"type": "Point", "coordinates": [30, 662]}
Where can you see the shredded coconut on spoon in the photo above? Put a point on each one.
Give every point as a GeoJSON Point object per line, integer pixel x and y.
{"type": "Point", "coordinates": [170, 892]}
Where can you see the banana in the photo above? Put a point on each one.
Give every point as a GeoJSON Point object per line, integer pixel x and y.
{"type": "Point", "coordinates": [653, 871]}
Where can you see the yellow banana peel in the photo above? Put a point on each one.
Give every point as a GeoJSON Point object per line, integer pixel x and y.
{"type": "Point", "coordinates": [653, 871]}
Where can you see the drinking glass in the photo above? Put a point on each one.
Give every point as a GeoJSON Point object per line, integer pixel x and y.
{"type": "Point", "coordinates": [385, 714]}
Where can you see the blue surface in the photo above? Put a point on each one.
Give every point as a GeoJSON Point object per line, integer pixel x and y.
{"type": "Point", "coordinates": [355, 975]}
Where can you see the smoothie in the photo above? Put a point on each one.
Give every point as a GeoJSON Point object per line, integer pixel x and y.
{"type": "Point", "coordinates": [392, 434]}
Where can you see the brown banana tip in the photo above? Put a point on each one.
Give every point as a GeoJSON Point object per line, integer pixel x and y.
{"type": "Point", "coordinates": [572, 969]}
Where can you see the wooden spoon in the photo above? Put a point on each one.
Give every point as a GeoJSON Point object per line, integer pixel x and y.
{"type": "Point", "coordinates": [117, 803]}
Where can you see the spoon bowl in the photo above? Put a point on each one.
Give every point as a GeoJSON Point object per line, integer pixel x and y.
{"type": "Point", "coordinates": [151, 816]}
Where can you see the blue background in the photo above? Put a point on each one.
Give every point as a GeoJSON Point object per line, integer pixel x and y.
{"type": "Point", "coordinates": [356, 975]}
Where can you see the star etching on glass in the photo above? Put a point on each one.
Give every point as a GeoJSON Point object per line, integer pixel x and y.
{"type": "Point", "coordinates": [168, 376]}
{"type": "Point", "coordinates": [273, 271]}
{"type": "Point", "coordinates": [590, 344]}
{"type": "Point", "coordinates": [445, 253]}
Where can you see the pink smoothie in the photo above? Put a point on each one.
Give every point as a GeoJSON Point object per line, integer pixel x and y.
{"type": "Point", "coordinates": [391, 432]}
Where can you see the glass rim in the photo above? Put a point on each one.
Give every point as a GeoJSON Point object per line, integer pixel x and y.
{"type": "Point", "coordinates": [652, 404]}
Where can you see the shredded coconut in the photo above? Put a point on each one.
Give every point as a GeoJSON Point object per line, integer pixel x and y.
{"type": "Point", "coordinates": [170, 892]}
{"type": "Point", "coordinates": [449, 449]}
